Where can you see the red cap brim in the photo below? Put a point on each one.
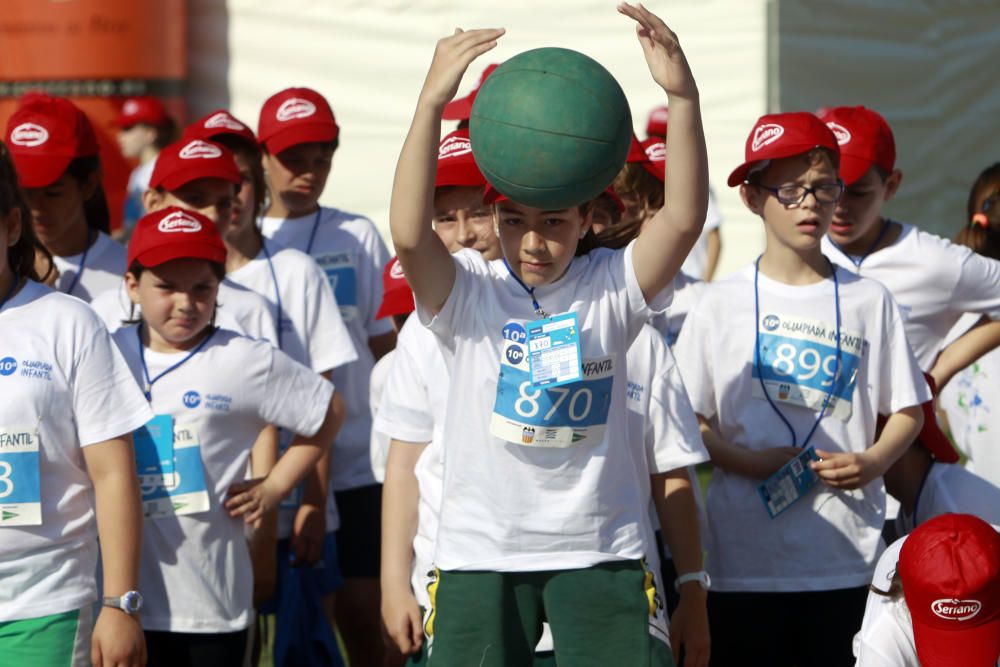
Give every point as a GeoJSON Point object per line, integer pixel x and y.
{"type": "Point", "coordinates": [396, 302]}
{"type": "Point", "coordinates": [39, 171]}
{"type": "Point", "coordinates": [458, 174]}
{"type": "Point", "coordinates": [852, 167]}
{"type": "Point", "coordinates": [186, 250]}
{"type": "Point", "coordinates": [459, 109]}
{"type": "Point", "coordinates": [198, 169]}
{"type": "Point", "coordinates": [978, 646]}
{"type": "Point", "coordinates": [300, 133]}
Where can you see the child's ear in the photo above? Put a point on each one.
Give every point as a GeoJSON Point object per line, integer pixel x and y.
{"type": "Point", "coordinates": [152, 200]}
{"type": "Point", "coordinates": [892, 182]}
{"type": "Point", "coordinates": [132, 287]}
{"type": "Point", "coordinates": [751, 198]}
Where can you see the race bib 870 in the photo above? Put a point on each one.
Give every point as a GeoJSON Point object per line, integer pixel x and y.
{"type": "Point", "coordinates": [20, 483]}
{"type": "Point", "coordinates": [798, 362]}
{"type": "Point", "coordinates": [556, 416]}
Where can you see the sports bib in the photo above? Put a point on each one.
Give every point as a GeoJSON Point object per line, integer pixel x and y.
{"type": "Point", "coordinates": [790, 483]}
{"type": "Point", "coordinates": [20, 483]}
{"type": "Point", "coordinates": [798, 359]}
{"type": "Point", "coordinates": [340, 271]}
{"type": "Point", "coordinates": [549, 416]}
{"type": "Point", "coordinates": [154, 452]}
{"type": "Point", "coordinates": [187, 493]}
{"type": "Point", "coordinates": [554, 351]}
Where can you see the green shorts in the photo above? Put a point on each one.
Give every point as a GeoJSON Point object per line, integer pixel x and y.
{"type": "Point", "coordinates": [58, 640]}
{"type": "Point", "coordinates": [599, 616]}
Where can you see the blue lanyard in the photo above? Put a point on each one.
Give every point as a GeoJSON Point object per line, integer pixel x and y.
{"type": "Point", "coordinates": [530, 290]}
{"type": "Point", "coordinates": [10, 292]}
{"type": "Point", "coordinates": [312, 234]}
{"type": "Point", "coordinates": [277, 291]}
{"type": "Point", "coordinates": [148, 387]}
{"type": "Point", "coordinates": [756, 355]}
{"type": "Point", "coordinates": [881, 235]}
{"type": "Point", "coordinates": [83, 264]}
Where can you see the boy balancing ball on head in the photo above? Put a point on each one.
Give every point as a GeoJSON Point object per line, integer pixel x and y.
{"type": "Point", "coordinates": [787, 362]}
{"type": "Point", "coordinates": [538, 527]}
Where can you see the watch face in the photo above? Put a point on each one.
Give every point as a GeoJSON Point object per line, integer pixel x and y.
{"type": "Point", "coordinates": [132, 601]}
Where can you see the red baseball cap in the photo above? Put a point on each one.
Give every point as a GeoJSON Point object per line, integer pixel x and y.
{"type": "Point", "coordinates": [148, 110]}
{"type": "Point", "coordinates": [455, 165]}
{"type": "Point", "coordinates": [491, 196]}
{"type": "Point", "coordinates": [950, 570]}
{"type": "Point", "coordinates": [190, 159]}
{"type": "Point", "coordinates": [865, 139]}
{"type": "Point", "coordinates": [931, 436]}
{"type": "Point", "coordinates": [220, 123]}
{"type": "Point", "coordinates": [174, 233]}
{"type": "Point", "coordinates": [461, 108]}
{"type": "Point", "coordinates": [295, 116]}
{"type": "Point", "coordinates": [44, 135]}
{"type": "Point", "coordinates": [656, 126]}
{"type": "Point", "coordinates": [781, 135]}
{"type": "Point", "coordinates": [397, 297]}
{"type": "Point", "coordinates": [655, 163]}
{"type": "Point", "coordinates": [635, 152]}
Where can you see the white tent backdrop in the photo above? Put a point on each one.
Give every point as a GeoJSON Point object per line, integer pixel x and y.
{"type": "Point", "coordinates": [369, 57]}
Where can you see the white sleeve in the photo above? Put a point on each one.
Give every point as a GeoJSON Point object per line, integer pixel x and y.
{"type": "Point", "coordinates": [976, 290]}
{"type": "Point", "coordinates": [695, 354]}
{"type": "Point", "coordinates": [327, 339]}
{"type": "Point", "coordinates": [107, 401]}
{"type": "Point", "coordinates": [462, 301]}
{"type": "Point", "coordinates": [901, 381]}
{"type": "Point", "coordinates": [377, 257]}
{"type": "Point", "coordinates": [677, 439]}
{"type": "Point", "coordinates": [404, 412]}
{"type": "Point", "coordinates": [622, 272]}
{"type": "Point", "coordinates": [292, 396]}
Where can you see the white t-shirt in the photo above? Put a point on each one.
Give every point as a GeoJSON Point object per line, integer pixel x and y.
{"type": "Point", "coordinates": [508, 506]}
{"type": "Point", "coordinates": [379, 447]}
{"type": "Point", "coordinates": [103, 270]}
{"type": "Point", "coordinates": [828, 539]}
{"type": "Point", "coordinates": [972, 402]}
{"type": "Point", "coordinates": [934, 281]}
{"type": "Point", "coordinates": [240, 309]}
{"type": "Point", "coordinates": [63, 387]}
{"type": "Point", "coordinates": [195, 573]}
{"type": "Point", "coordinates": [687, 291]}
{"type": "Point", "coordinates": [352, 254]}
{"type": "Point", "coordinates": [697, 259]}
{"type": "Point", "coordinates": [951, 488]}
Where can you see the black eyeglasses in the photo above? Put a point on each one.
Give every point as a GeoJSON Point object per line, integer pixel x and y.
{"type": "Point", "coordinates": [791, 195]}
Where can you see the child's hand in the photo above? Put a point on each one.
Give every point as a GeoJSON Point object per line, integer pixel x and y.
{"type": "Point", "coordinates": [402, 621]}
{"type": "Point", "coordinates": [308, 534]}
{"type": "Point", "coordinates": [452, 57]}
{"type": "Point", "coordinates": [765, 462]}
{"type": "Point", "coordinates": [663, 52]}
{"type": "Point", "coordinates": [251, 499]}
{"type": "Point", "coordinates": [847, 470]}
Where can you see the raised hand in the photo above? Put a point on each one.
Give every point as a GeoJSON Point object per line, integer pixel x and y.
{"type": "Point", "coordinates": [663, 52]}
{"type": "Point", "coordinates": [452, 57]}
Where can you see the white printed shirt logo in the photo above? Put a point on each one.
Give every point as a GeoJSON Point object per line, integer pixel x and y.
{"type": "Point", "coordinates": [29, 135]}
{"type": "Point", "coordinates": [454, 147]}
{"type": "Point", "coordinates": [765, 135]}
{"type": "Point", "coordinates": [656, 152]}
{"type": "Point", "coordinates": [295, 107]}
{"type": "Point", "coordinates": [396, 272]}
{"type": "Point", "coordinates": [956, 610]}
{"type": "Point", "coordinates": [842, 133]}
{"type": "Point", "coordinates": [179, 222]}
{"type": "Point", "coordinates": [224, 120]}
{"type": "Point", "coordinates": [199, 149]}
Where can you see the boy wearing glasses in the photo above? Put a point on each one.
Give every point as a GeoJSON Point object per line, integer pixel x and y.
{"type": "Point", "coordinates": [787, 392]}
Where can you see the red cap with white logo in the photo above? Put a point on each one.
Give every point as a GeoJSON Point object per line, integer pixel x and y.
{"type": "Point", "coordinates": [397, 297]}
{"type": "Point", "coordinates": [174, 233]}
{"type": "Point", "coordinates": [461, 108]}
{"type": "Point", "coordinates": [656, 126]}
{"type": "Point", "coordinates": [656, 157]}
{"type": "Point", "coordinates": [455, 165]}
{"type": "Point", "coordinates": [295, 116]}
{"type": "Point", "coordinates": [188, 160]}
{"type": "Point", "coordinates": [220, 123]}
{"type": "Point", "coordinates": [146, 110]}
{"type": "Point", "coordinates": [865, 139]}
{"type": "Point", "coordinates": [779, 135]}
{"type": "Point", "coordinates": [44, 135]}
{"type": "Point", "coordinates": [950, 571]}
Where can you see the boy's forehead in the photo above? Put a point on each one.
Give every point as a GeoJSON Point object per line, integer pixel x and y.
{"type": "Point", "coordinates": [452, 197]}
{"type": "Point", "coordinates": [514, 207]}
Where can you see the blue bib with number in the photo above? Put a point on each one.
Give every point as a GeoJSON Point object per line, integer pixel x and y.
{"type": "Point", "coordinates": [154, 451]}
{"type": "Point", "coordinates": [186, 493]}
{"type": "Point", "coordinates": [20, 481]}
{"type": "Point", "coordinates": [340, 271]}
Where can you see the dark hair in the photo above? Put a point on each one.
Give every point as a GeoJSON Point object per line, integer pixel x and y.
{"type": "Point", "coordinates": [95, 209]}
{"type": "Point", "coordinates": [137, 269]}
{"type": "Point", "coordinates": [21, 255]}
{"type": "Point", "coordinates": [895, 591]}
{"type": "Point", "coordinates": [252, 153]}
{"type": "Point", "coordinates": [981, 230]}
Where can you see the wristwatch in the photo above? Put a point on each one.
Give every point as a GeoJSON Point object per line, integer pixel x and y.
{"type": "Point", "coordinates": [130, 603]}
{"type": "Point", "coordinates": [700, 576]}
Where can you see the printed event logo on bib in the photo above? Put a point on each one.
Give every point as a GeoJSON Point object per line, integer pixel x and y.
{"type": "Point", "coordinates": [340, 271]}
{"type": "Point", "coordinates": [551, 416]}
{"type": "Point", "coordinates": [798, 358]}
{"type": "Point", "coordinates": [20, 478]}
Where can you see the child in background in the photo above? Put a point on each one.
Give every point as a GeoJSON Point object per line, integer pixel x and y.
{"type": "Point", "coordinates": [67, 475]}
{"type": "Point", "coordinates": [505, 497]}
{"type": "Point", "coordinates": [970, 400]}
{"type": "Point", "coordinates": [55, 153]}
{"type": "Point", "coordinates": [787, 357]}
{"type": "Point", "coordinates": [299, 135]}
{"type": "Point", "coordinates": [144, 129]}
{"type": "Point", "coordinates": [212, 392]}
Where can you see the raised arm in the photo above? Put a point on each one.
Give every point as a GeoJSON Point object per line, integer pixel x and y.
{"type": "Point", "coordinates": [425, 260]}
{"type": "Point", "coordinates": [669, 235]}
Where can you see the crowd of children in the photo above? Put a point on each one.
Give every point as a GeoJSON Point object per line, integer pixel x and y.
{"type": "Point", "coordinates": [252, 429]}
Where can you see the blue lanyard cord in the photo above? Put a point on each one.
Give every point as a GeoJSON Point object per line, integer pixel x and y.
{"type": "Point", "coordinates": [530, 290]}
{"type": "Point", "coordinates": [277, 291]}
{"type": "Point", "coordinates": [756, 354]}
{"type": "Point", "coordinates": [881, 235]}
{"type": "Point", "coordinates": [312, 234]}
{"type": "Point", "coordinates": [83, 264]}
{"type": "Point", "coordinates": [148, 388]}
{"type": "Point", "coordinates": [10, 291]}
